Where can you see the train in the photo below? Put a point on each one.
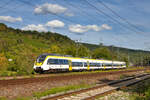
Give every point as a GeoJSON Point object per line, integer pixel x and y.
{"type": "Point", "coordinates": [53, 63]}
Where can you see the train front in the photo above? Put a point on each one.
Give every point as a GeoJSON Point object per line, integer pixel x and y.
{"type": "Point", "coordinates": [38, 65]}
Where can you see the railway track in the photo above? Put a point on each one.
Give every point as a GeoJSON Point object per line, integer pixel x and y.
{"type": "Point", "coordinates": [19, 81]}
{"type": "Point", "coordinates": [99, 90]}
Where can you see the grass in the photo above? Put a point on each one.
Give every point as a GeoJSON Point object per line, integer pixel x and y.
{"type": "Point", "coordinates": [18, 98]}
{"type": "Point", "coordinates": [125, 76]}
{"type": "Point", "coordinates": [60, 89]}
{"type": "Point", "coordinates": [23, 98]}
{"type": "Point", "coordinates": [3, 98]}
{"type": "Point", "coordinates": [7, 73]}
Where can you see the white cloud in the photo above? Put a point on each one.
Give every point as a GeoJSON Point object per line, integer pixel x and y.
{"type": "Point", "coordinates": [81, 29]}
{"type": "Point", "coordinates": [77, 28]}
{"type": "Point", "coordinates": [69, 14]}
{"type": "Point", "coordinates": [43, 27]}
{"type": "Point", "coordinates": [105, 26]}
{"type": "Point", "coordinates": [32, 27]}
{"type": "Point", "coordinates": [49, 8]}
{"type": "Point", "coordinates": [10, 19]}
{"type": "Point", "coordinates": [55, 24]}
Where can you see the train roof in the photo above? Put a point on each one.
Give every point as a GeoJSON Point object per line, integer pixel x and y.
{"type": "Point", "coordinates": [71, 57]}
{"type": "Point", "coordinates": [51, 54]}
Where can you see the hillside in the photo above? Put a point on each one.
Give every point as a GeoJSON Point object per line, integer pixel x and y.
{"type": "Point", "coordinates": [19, 49]}
{"type": "Point", "coordinates": [136, 57]}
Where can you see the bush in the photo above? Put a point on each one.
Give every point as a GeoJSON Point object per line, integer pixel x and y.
{"type": "Point", "coordinates": [8, 73]}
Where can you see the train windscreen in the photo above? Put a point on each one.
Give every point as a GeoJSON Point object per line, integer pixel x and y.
{"type": "Point", "coordinates": [41, 58]}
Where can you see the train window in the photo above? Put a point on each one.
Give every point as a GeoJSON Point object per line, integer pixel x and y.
{"type": "Point", "coordinates": [56, 61]}
{"type": "Point", "coordinates": [80, 64]}
{"type": "Point", "coordinates": [85, 64]}
{"type": "Point", "coordinates": [108, 64]}
{"type": "Point", "coordinates": [74, 64]}
{"type": "Point", "coordinates": [93, 64]}
{"type": "Point", "coordinates": [116, 64]}
{"type": "Point", "coordinates": [61, 61]}
{"type": "Point", "coordinates": [98, 64]}
{"type": "Point", "coordinates": [66, 62]}
{"type": "Point", "coordinates": [103, 64]}
{"type": "Point", "coordinates": [53, 61]}
{"type": "Point", "coordinates": [77, 64]}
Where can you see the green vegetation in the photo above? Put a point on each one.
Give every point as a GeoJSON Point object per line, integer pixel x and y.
{"type": "Point", "coordinates": [140, 91]}
{"type": "Point", "coordinates": [24, 98]}
{"type": "Point", "coordinates": [19, 49]}
{"type": "Point", "coordinates": [60, 89]}
{"type": "Point", "coordinates": [18, 98]}
{"type": "Point", "coordinates": [3, 98]}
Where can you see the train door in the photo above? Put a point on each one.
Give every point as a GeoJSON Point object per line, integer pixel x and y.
{"type": "Point", "coordinates": [88, 65]}
{"type": "Point", "coordinates": [70, 65]}
{"type": "Point", "coordinates": [104, 65]}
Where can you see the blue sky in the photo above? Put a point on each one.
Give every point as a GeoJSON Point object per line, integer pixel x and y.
{"type": "Point", "coordinates": [81, 21]}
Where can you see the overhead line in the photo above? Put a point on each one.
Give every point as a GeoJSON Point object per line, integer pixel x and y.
{"type": "Point", "coordinates": [81, 10]}
{"type": "Point", "coordinates": [5, 4]}
{"type": "Point", "coordinates": [100, 11]}
{"type": "Point", "coordinates": [125, 20]}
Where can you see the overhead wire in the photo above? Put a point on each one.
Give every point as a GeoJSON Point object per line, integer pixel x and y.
{"type": "Point", "coordinates": [115, 13]}
{"type": "Point", "coordinates": [112, 19]}
{"type": "Point", "coordinates": [5, 4]}
{"type": "Point", "coordinates": [83, 12]}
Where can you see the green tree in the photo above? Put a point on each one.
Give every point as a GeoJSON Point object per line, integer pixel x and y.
{"type": "Point", "coordinates": [101, 53]}
{"type": "Point", "coordinates": [3, 27]}
{"type": "Point", "coordinates": [83, 51]}
{"type": "Point", "coordinates": [3, 62]}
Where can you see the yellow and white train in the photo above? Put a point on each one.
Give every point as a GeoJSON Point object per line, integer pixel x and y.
{"type": "Point", "coordinates": [54, 63]}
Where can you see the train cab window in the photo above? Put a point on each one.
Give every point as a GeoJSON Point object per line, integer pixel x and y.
{"type": "Point", "coordinates": [41, 58]}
